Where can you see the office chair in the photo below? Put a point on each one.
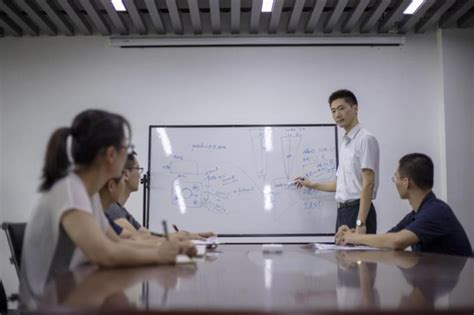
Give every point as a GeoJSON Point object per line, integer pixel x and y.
{"type": "Point", "coordinates": [15, 233]}
{"type": "Point", "coordinates": [3, 299]}
{"type": "Point", "coordinates": [4, 310]}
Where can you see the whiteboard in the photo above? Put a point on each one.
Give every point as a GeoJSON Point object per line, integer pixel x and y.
{"type": "Point", "coordinates": [237, 180]}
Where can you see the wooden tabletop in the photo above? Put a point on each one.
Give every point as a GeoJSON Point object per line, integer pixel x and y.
{"type": "Point", "coordinates": [242, 279]}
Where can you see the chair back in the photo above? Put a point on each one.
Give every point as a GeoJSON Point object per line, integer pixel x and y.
{"type": "Point", "coordinates": [3, 299]}
{"type": "Point", "coordinates": [15, 233]}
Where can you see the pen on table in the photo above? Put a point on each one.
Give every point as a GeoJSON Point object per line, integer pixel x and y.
{"type": "Point", "coordinates": [175, 228]}
{"type": "Point", "coordinates": [165, 228]}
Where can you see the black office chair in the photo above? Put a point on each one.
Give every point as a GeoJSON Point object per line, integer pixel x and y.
{"type": "Point", "coordinates": [15, 233]}
{"type": "Point", "coordinates": [4, 303]}
{"type": "Point", "coordinates": [3, 299]}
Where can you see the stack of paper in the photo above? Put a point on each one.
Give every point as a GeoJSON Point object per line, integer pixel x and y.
{"type": "Point", "coordinates": [212, 241]}
{"type": "Point", "coordinates": [328, 247]}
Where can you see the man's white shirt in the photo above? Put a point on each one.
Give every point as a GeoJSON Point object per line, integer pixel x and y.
{"type": "Point", "coordinates": [359, 150]}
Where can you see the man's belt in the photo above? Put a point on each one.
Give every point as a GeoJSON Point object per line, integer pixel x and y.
{"type": "Point", "coordinates": [349, 203]}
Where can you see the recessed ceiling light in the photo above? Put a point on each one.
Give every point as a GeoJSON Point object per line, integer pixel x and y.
{"type": "Point", "coordinates": [414, 5]}
{"type": "Point", "coordinates": [118, 5]}
{"type": "Point", "coordinates": [267, 6]}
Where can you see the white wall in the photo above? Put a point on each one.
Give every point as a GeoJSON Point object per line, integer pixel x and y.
{"type": "Point", "coordinates": [49, 80]}
{"type": "Point", "coordinates": [7, 272]}
{"type": "Point", "coordinates": [458, 77]}
{"type": "Point", "coordinates": [2, 236]}
{"type": "Point", "coordinates": [458, 90]}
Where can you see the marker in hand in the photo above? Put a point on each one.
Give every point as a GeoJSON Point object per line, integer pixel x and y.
{"type": "Point", "coordinates": [297, 181]}
{"type": "Point", "coordinates": [175, 228]}
{"type": "Point", "coordinates": [165, 229]}
{"type": "Point", "coordinates": [294, 181]}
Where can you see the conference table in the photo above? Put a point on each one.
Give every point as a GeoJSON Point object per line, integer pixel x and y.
{"type": "Point", "coordinates": [242, 279]}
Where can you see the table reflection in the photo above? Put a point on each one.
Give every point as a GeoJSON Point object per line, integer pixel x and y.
{"type": "Point", "coordinates": [241, 278]}
{"type": "Point", "coordinates": [90, 287]}
{"type": "Point", "coordinates": [429, 277]}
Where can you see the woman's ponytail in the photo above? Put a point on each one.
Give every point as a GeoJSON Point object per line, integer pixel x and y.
{"type": "Point", "coordinates": [56, 164]}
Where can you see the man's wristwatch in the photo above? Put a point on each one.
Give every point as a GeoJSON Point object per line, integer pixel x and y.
{"type": "Point", "coordinates": [359, 222]}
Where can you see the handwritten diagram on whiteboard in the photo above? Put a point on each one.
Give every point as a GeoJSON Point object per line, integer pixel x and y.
{"type": "Point", "coordinates": [238, 179]}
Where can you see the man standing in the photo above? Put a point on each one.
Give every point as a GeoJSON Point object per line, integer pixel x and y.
{"type": "Point", "coordinates": [432, 226]}
{"type": "Point", "coordinates": [358, 171]}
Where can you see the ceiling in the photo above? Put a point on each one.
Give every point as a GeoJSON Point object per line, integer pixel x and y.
{"type": "Point", "coordinates": [229, 18]}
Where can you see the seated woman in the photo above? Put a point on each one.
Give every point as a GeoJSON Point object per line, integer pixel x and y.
{"type": "Point", "coordinates": [68, 226]}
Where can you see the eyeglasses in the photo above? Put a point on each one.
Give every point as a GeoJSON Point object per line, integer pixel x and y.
{"type": "Point", "coordinates": [140, 169]}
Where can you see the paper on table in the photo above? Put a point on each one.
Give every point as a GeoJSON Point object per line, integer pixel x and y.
{"type": "Point", "coordinates": [200, 250]}
{"type": "Point", "coordinates": [209, 241]}
{"type": "Point", "coordinates": [184, 259]}
{"type": "Point", "coordinates": [321, 246]}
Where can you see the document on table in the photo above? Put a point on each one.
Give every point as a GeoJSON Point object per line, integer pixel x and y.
{"type": "Point", "coordinates": [328, 247]}
{"type": "Point", "coordinates": [184, 259]}
{"type": "Point", "coordinates": [213, 240]}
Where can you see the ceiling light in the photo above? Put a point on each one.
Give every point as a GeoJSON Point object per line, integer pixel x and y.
{"type": "Point", "coordinates": [118, 5]}
{"type": "Point", "coordinates": [414, 5]}
{"type": "Point", "coordinates": [267, 6]}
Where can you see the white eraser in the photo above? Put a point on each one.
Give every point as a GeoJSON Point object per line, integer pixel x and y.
{"type": "Point", "coordinates": [272, 248]}
{"type": "Point", "coordinates": [183, 259]}
{"type": "Point", "coordinates": [201, 250]}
